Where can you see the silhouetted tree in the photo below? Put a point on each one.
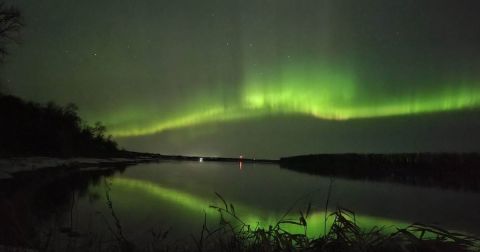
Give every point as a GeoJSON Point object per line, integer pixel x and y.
{"type": "Point", "coordinates": [28, 128]}
{"type": "Point", "coordinates": [10, 25]}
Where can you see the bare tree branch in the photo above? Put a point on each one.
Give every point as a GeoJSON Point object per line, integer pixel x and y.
{"type": "Point", "coordinates": [10, 24]}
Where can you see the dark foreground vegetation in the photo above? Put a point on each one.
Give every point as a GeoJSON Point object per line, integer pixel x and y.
{"type": "Point", "coordinates": [35, 200]}
{"type": "Point", "coordinates": [233, 234]}
{"type": "Point", "coordinates": [449, 170]}
{"type": "Point", "coordinates": [343, 235]}
{"type": "Point", "coordinates": [29, 128]}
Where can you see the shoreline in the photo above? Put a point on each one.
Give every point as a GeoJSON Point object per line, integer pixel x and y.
{"type": "Point", "coordinates": [13, 166]}
{"type": "Point", "coordinates": [448, 170]}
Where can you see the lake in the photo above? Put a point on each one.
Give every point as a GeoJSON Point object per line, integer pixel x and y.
{"type": "Point", "coordinates": [176, 195]}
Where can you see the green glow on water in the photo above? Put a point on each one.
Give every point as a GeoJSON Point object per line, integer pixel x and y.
{"type": "Point", "coordinates": [251, 216]}
{"type": "Point", "coordinates": [315, 90]}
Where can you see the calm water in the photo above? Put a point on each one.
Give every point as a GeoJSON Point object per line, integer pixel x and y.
{"type": "Point", "coordinates": [177, 195]}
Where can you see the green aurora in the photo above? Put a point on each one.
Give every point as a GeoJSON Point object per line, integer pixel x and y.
{"type": "Point", "coordinates": [318, 91]}
{"type": "Point", "coordinates": [198, 206]}
{"type": "Point", "coordinates": [151, 69]}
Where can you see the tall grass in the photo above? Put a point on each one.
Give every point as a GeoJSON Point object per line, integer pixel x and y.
{"type": "Point", "coordinates": [233, 234]}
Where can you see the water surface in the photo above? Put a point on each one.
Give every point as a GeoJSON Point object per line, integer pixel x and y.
{"type": "Point", "coordinates": [175, 196]}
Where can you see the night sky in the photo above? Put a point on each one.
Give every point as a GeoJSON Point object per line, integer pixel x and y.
{"type": "Point", "coordinates": [262, 78]}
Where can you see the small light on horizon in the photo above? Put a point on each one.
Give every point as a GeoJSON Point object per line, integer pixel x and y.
{"type": "Point", "coordinates": [200, 159]}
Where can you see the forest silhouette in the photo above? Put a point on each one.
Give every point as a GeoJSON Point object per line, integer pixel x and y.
{"type": "Point", "coordinates": [28, 128]}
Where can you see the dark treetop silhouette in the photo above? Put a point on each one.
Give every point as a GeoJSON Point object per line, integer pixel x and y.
{"type": "Point", "coordinates": [29, 128]}
{"type": "Point", "coordinates": [32, 129]}
{"type": "Point", "coordinates": [10, 25]}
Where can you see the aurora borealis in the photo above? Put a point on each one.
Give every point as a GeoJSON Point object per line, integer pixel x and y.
{"type": "Point", "coordinates": [168, 76]}
{"type": "Point", "coordinates": [196, 207]}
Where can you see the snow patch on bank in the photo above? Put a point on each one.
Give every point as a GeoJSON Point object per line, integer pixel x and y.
{"type": "Point", "coordinates": [10, 166]}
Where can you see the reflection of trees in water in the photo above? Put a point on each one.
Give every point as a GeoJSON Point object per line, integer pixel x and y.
{"type": "Point", "coordinates": [33, 207]}
{"type": "Point", "coordinates": [445, 170]}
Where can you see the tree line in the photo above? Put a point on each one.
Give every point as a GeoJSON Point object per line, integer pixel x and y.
{"type": "Point", "coordinates": [28, 128]}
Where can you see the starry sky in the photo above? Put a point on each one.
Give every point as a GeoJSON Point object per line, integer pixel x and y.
{"type": "Point", "coordinates": [262, 78]}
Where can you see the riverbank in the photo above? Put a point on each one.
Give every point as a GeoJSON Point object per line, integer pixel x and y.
{"type": "Point", "coordinates": [152, 197]}
{"type": "Point", "coordinates": [446, 170]}
{"type": "Point", "coordinates": [11, 166]}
